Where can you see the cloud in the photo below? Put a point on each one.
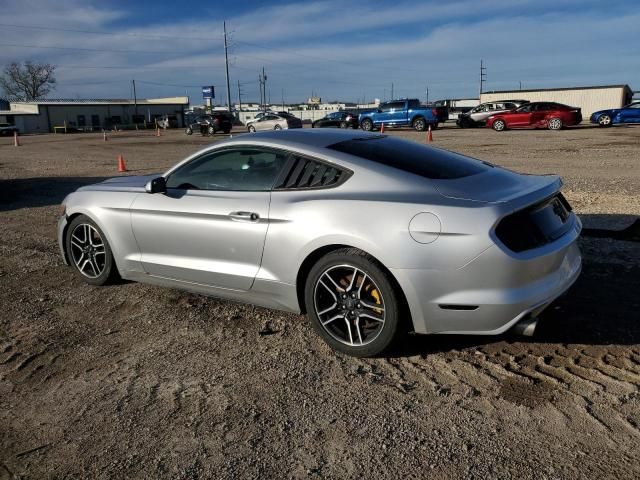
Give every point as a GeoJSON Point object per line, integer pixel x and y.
{"type": "Point", "coordinates": [342, 49]}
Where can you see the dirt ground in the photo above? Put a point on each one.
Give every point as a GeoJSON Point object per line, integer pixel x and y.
{"type": "Point", "coordinates": [133, 381]}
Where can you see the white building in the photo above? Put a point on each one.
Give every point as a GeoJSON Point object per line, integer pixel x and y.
{"type": "Point", "coordinates": [44, 116]}
{"type": "Point", "coordinates": [589, 99]}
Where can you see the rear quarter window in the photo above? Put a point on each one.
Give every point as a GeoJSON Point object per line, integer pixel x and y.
{"type": "Point", "coordinates": [412, 157]}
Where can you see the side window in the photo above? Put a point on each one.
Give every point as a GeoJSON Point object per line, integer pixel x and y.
{"type": "Point", "coordinates": [414, 103]}
{"type": "Point", "coordinates": [247, 169]}
{"type": "Point", "coordinates": [525, 108]}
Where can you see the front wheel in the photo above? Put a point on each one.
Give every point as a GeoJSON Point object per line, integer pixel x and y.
{"type": "Point", "coordinates": [251, 128]}
{"type": "Point", "coordinates": [352, 303]}
{"type": "Point", "coordinates": [189, 131]}
{"type": "Point", "coordinates": [211, 130]}
{"type": "Point", "coordinates": [277, 127]}
{"type": "Point", "coordinates": [554, 124]}
{"type": "Point", "coordinates": [89, 252]}
{"type": "Point", "coordinates": [604, 120]}
{"type": "Point", "coordinates": [366, 125]}
{"type": "Point", "coordinates": [499, 125]}
{"type": "Point", "coordinates": [344, 125]}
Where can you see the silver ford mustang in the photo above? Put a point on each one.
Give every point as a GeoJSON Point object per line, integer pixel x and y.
{"type": "Point", "coordinates": [370, 235]}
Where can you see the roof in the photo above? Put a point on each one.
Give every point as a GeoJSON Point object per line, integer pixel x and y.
{"type": "Point", "coordinates": [560, 89]}
{"type": "Point", "coordinates": [317, 137]}
{"type": "Point", "coordinates": [108, 101]}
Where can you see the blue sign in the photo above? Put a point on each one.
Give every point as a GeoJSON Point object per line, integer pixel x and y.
{"type": "Point", "coordinates": [208, 92]}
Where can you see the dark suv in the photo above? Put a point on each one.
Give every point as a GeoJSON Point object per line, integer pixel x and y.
{"type": "Point", "coordinates": [211, 124]}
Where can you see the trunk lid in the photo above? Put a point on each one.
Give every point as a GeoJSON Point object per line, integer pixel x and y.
{"type": "Point", "coordinates": [498, 185]}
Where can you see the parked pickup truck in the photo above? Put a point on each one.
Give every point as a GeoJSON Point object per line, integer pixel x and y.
{"type": "Point", "coordinates": [8, 129]}
{"type": "Point", "coordinates": [397, 113]}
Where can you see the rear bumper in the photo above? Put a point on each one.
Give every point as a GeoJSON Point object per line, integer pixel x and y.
{"type": "Point", "coordinates": [493, 292]}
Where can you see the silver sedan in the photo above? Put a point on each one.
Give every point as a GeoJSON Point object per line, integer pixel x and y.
{"type": "Point", "coordinates": [274, 121]}
{"type": "Point", "coordinates": [370, 235]}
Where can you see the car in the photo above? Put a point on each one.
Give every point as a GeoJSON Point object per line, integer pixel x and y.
{"type": "Point", "coordinates": [167, 121]}
{"type": "Point", "coordinates": [551, 115]}
{"type": "Point", "coordinates": [627, 114]}
{"type": "Point", "coordinates": [211, 124]}
{"type": "Point", "coordinates": [273, 121]}
{"type": "Point", "coordinates": [477, 116]}
{"type": "Point", "coordinates": [369, 235]}
{"type": "Point", "coordinates": [8, 129]}
{"type": "Point", "coordinates": [399, 113]}
{"type": "Point", "coordinates": [337, 120]}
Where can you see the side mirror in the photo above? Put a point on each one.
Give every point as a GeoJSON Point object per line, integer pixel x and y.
{"type": "Point", "coordinates": [156, 185]}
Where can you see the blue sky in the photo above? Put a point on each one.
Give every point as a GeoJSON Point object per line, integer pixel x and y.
{"type": "Point", "coordinates": [337, 49]}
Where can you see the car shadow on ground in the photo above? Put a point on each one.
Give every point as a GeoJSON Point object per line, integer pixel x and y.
{"type": "Point", "coordinates": [39, 191]}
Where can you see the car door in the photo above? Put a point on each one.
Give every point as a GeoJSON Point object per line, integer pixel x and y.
{"type": "Point", "coordinates": [630, 113]}
{"type": "Point", "coordinates": [209, 227]}
{"type": "Point", "coordinates": [521, 117]}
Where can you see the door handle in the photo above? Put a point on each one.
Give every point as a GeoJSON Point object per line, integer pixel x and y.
{"type": "Point", "coordinates": [244, 216]}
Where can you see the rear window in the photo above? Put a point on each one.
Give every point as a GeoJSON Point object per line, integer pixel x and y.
{"type": "Point", "coordinates": [412, 157]}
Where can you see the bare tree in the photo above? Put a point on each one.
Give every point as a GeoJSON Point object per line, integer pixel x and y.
{"type": "Point", "coordinates": [29, 81]}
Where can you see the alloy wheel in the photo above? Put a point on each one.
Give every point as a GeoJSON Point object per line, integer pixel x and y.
{"type": "Point", "coordinates": [88, 250]}
{"type": "Point", "coordinates": [498, 125]}
{"type": "Point", "coordinates": [349, 305]}
{"type": "Point", "coordinates": [555, 124]}
{"type": "Point", "coordinates": [604, 120]}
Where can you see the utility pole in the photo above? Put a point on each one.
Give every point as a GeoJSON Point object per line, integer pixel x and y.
{"type": "Point", "coordinates": [483, 77]}
{"type": "Point", "coordinates": [135, 99]}
{"type": "Point", "coordinates": [520, 82]}
{"type": "Point", "coordinates": [239, 98]}
{"type": "Point", "coordinates": [283, 99]}
{"type": "Point", "coordinates": [427, 95]}
{"type": "Point", "coordinates": [226, 65]}
{"type": "Point", "coordinates": [262, 78]}
{"type": "Point", "coordinates": [392, 97]}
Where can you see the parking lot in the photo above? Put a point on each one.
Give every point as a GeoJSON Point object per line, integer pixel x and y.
{"type": "Point", "coordinates": [136, 381]}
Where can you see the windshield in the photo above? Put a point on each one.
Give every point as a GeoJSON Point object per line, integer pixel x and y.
{"type": "Point", "coordinates": [412, 157]}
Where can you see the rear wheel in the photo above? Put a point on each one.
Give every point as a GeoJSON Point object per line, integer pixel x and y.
{"type": "Point", "coordinates": [89, 252]}
{"type": "Point", "coordinates": [352, 303]}
{"type": "Point", "coordinates": [366, 125]}
{"type": "Point", "coordinates": [554, 124]}
{"type": "Point", "coordinates": [604, 120]}
{"type": "Point", "coordinates": [420, 124]}
{"type": "Point", "coordinates": [344, 125]}
{"type": "Point", "coordinates": [252, 128]}
{"type": "Point", "coordinates": [211, 130]}
{"type": "Point", "coordinates": [189, 131]}
{"type": "Point", "coordinates": [277, 127]}
{"type": "Point", "coordinates": [499, 125]}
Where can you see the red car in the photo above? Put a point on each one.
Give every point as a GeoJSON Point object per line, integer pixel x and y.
{"type": "Point", "coordinates": [549, 115]}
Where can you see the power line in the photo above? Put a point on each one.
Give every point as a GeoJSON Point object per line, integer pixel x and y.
{"type": "Point", "coordinates": [89, 49]}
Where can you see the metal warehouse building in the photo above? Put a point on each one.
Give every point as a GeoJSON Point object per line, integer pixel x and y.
{"type": "Point", "coordinates": [589, 99]}
{"type": "Point", "coordinates": [91, 114]}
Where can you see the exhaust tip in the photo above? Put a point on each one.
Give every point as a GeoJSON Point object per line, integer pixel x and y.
{"type": "Point", "coordinates": [526, 327]}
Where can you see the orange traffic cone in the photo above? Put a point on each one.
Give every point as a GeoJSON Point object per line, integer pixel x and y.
{"type": "Point", "coordinates": [121, 166]}
{"type": "Point", "coordinates": [429, 135]}
{"type": "Point", "coordinates": [158, 132]}
{"type": "Point", "coordinates": [16, 142]}
{"type": "Point", "coordinates": [382, 128]}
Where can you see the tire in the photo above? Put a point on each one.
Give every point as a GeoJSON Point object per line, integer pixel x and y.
{"type": "Point", "coordinates": [211, 130]}
{"type": "Point", "coordinates": [277, 127]}
{"type": "Point", "coordinates": [604, 120]}
{"type": "Point", "coordinates": [252, 129]}
{"type": "Point", "coordinates": [189, 131]}
{"type": "Point", "coordinates": [227, 132]}
{"type": "Point", "coordinates": [419, 124]}
{"type": "Point", "coordinates": [366, 125]}
{"type": "Point", "coordinates": [344, 125]}
{"type": "Point", "coordinates": [101, 267]}
{"type": "Point", "coordinates": [499, 125]}
{"type": "Point", "coordinates": [554, 124]}
{"type": "Point", "coordinates": [357, 330]}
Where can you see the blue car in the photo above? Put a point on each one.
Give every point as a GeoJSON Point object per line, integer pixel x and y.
{"type": "Point", "coordinates": [627, 114]}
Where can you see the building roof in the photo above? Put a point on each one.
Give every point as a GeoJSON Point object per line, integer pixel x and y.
{"type": "Point", "coordinates": [108, 101]}
{"type": "Point", "coordinates": [624, 86]}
